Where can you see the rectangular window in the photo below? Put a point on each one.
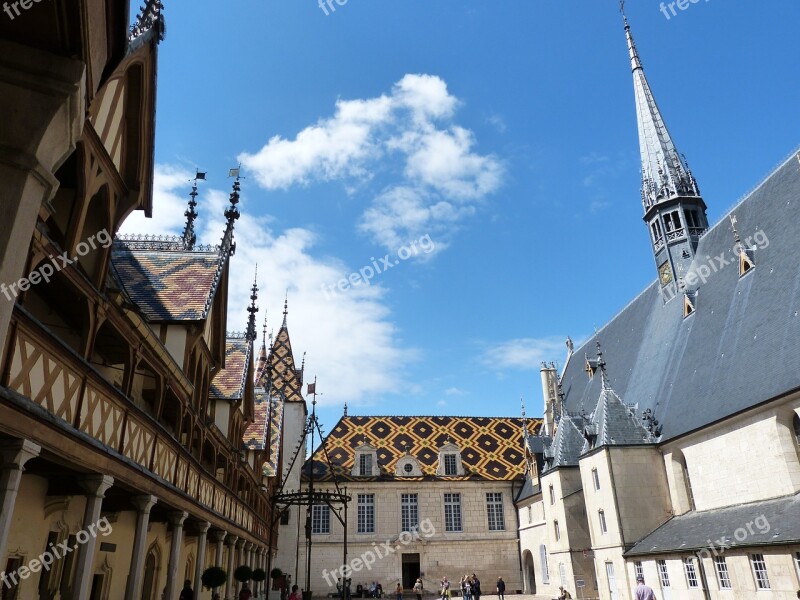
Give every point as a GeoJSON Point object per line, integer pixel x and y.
{"type": "Point", "coordinates": [545, 567]}
{"type": "Point", "coordinates": [557, 530]}
{"type": "Point", "coordinates": [760, 571]}
{"type": "Point", "coordinates": [691, 573]}
{"type": "Point", "coordinates": [365, 465]}
{"type": "Point", "coordinates": [663, 575]}
{"type": "Point", "coordinates": [366, 513]}
{"type": "Point", "coordinates": [320, 519]}
{"type": "Point", "coordinates": [409, 512]}
{"type": "Point", "coordinates": [637, 569]}
{"type": "Point", "coordinates": [552, 495]}
{"type": "Point", "coordinates": [596, 479]}
{"type": "Point", "coordinates": [562, 572]}
{"type": "Point", "coordinates": [602, 516]}
{"type": "Point", "coordinates": [450, 464]}
{"type": "Point", "coordinates": [494, 511]}
{"type": "Point", "coordinates": [530, 514]}
{"type": "Point", "coordinates": [285, 517]}
{"type": "Point", "coordinates": [452, 512]}
{"type": "Point", "coordinates": [723, 577]}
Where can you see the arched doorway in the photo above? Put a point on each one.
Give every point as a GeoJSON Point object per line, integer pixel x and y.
{"type": "Point", "coordinates": [150, 576]}
{"type": "Point", "coordinates": [528, 573]}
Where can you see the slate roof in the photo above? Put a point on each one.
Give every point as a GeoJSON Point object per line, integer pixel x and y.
{"type": "Point", "coordinates": [491, 447]}
{"type": "Point", "coordinates": [772, 522]}
{"type": "Point", "coordinates": [613, 424]}
{"type": "Point", "coordinates": [168, 285]}
{"type": "Point", "coordinates": [739, 348]}
{"type": "Point", "coordinates": [528, 490]}
{"type": "Point", "coordinates": [228, 383]}
{"type": "Point", "coordinates": [566, 447]}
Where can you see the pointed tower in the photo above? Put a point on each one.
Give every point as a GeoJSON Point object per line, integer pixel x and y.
{"type": "Point", "coordinates": [189, 236]}
{"type": "Point", "coordinates": [673, 209]}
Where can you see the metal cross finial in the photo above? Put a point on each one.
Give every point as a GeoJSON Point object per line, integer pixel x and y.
{"type": "Point", "coordinates": [735, 232]}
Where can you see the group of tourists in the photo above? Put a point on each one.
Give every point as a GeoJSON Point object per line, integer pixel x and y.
{"type": "Point", "coordinates": [470, 588]}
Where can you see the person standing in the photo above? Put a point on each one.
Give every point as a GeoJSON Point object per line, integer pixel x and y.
{"type": "Point", "coordinates": [398, 592]}
{"type": "Point", "coordinates": [501, 589]}
{"type": "Point", "coordinates": [187, 593]}
{"type": "Point", "coordinates": [643, 592]}
{"type": "Point", "coordinates": [418, 588]}
{"type": "Point", "coordinates": [445, 589]}
{"type": "Point", "coordinates": [476, 587]}
{"type": "Point", "coordinates": [467, 588]}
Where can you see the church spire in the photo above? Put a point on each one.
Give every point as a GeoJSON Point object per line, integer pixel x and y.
{"type": "Point", "coordinates": [252, 309]}
{"type": "Point", "coordinates": [189, 237]}
{"type": "Point", "coordinates": [674, 211]}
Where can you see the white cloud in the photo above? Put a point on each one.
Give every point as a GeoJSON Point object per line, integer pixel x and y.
{"type": "Point", "coordinates": [454, 391]}
{"type": "Point", "coordinates": [524, 353]}
{"type": "Point", "coordinates": [170, 198]}
{"type": "Point", "coordinates": [350, 339]}
{"type": "Point", "coordinates": [436, 176]}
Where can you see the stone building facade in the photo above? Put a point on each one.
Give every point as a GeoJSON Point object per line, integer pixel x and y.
{"type": "Point", "coordinates": [432, 497]}
{"type": "Point", "coordinates": [671, 448]}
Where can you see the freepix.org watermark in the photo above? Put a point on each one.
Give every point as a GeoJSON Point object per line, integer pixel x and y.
{"type": "Point", "coordinates": [364, 275]}
{"type": "Point", "coordinates": [668, 8]}
{"type": "Point", "coordinates": [328, 6]}
{"type": "Point", "coordinates": [702, 270]}
{"type": "Point", "coordinates": [47, 269]}
{"type": "Point", "coordinates": [12, 8]}
{"type": "Point", "coordinates": [55, 552]}
{"type": "Point", "coordinates": [380, 551]}
{"type": "Point", "coordinates": [718, 547]}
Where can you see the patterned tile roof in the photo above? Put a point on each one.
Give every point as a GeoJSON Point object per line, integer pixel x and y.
{"type": "Point", "coordinates": [491, 447]}
{"type": "Point", "coordinates": [168, 285]}
{"type": "Point", "coordinates": [265, 431]}
{"type": "Point", "coordinates": [281, 371]}
{"type": "Point", "coordinates": [228, 383]}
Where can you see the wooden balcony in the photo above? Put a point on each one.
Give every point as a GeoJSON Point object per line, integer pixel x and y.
{"type": "Point", "coordinates": [41, 368]}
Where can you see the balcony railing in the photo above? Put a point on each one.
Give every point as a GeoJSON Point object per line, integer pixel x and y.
{"type": "Point", "coordinates": [53, 376]}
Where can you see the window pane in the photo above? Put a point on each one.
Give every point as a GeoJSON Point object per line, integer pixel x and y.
{"type": "Point", "coordinates": [691, 572]}
{"type": "Point", "coordinates": [452, 512]}
{"type": "Point", "coordinates": [409, 515]}
{"type": "Point", "coordinates": [450, 464]}
{"type": "Point", "coordinates": [760, 571]}
{"type": "Point", "coordinates": [494, 511]}
{"type": "Point", "coordinates": [663, 575]}
{"type": "Point", "coordinates": [366, 513]}
{"type": "Point", "coordinates": [320, 519]}
{"type": "Point", "coordinates": [723, 578]}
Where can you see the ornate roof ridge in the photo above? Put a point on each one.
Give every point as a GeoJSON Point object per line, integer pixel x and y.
{"type": "Point", "coordinates": [144, 242]}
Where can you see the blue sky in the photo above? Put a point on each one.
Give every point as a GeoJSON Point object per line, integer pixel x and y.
{"type": "Point", "coordinates": [502, 132]}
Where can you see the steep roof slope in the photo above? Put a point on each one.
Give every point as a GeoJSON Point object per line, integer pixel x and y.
{"type": "Point", "coordinates": [739, 348]}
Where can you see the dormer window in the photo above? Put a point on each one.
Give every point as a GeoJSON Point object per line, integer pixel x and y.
{"type": "Point", "coordinates": [450, 461]}
{"type": "Point", "coordinates": [747, 261]}
{"type": "Point", "coordinates": [366, 461]}
{"type": "Point", "coordinates": [365, 465]}
{"type": "Point", "coordinates": [407, 466]}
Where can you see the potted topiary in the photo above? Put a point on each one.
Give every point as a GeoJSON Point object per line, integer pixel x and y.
{"type": "Point", "coordinates": [259, 575]}
{"type": "Point", "coordinates": [243, 574]}
{"type": "Point", "coordinates": [278, 579]}
{"type": "Point", "coordinates": [214, 577]}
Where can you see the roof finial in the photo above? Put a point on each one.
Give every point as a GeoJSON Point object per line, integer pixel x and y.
{"type": "Point", "coordinates": [252, 309]}
{"type": "Point", "coordinates": [228, 246]}
{"type": "Point", "coordinates": [345, 408]}
{"type": "Point", "coordinates": [189, 237]}
{"type": "Point", "coordinates": [303, 363]}
{"type": "Point", "coordinates": [601, 364]}
{"type": "Point", "coordinates": [285, 307]}
{"type": "Point", "coordinates": [264, 338]}
{"type": "Point", "coordinates": [735, 232]}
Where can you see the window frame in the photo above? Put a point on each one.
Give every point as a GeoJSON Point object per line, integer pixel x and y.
{"type": "Point", "coordinates": [690, 571]}
{"type": "Point", "coordinates": [450, 464]}
{"type": "Point", "coordinates": [365, 513]}
{"type": "Point", "coordinates": [495, 511]}
{"type": "Point", "coordinates": [409, 511]}
{"type": "Point", "coordinates": [365, 466]}
{"type": "Point", "coordinates": [320, 519]}
{"type": "Point", "coordinates": [552, 495]}
{"type": "Point", "coordinates": [723, 575]}
{"type": "Point", "coordinates": [596, 479]}
{"type": "Point", "coordinates": [638, 569]}
{"type": "Point", "coordinates": [453, 522]}
{"type": "Point", "coordinates": [663, 573]}
{"type": "Point", "coordinates": [601, 515]}
{"type": "Point", "coordinates": [761, 584]}
{"type": "Point", "coordinates": [557, 530]}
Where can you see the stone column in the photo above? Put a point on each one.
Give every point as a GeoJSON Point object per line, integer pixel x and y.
{"type": "Point", "coordinates": [176, 519]}
{"type": "Point", "coordinates": [202, 528]}
{"type": "Point", "coordinates": [219, 538]}
{"type": "Point", "coordinates": [14, 454]}
{"type": "Point", "coordinates": [239, 561]}
{"type": "Point", "coordinates": [143, 504]}
{"type": "Point", "coordinates": [230, 541]}
{"type": "Point", "coordinates": [96, 487]}
{"type": "Point", "coordinates": [42, 103]}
